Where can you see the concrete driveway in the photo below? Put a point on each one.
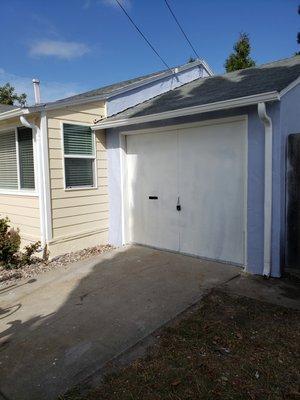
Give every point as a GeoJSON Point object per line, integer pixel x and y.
{"type": "Point", "coordinates": [59, 329]}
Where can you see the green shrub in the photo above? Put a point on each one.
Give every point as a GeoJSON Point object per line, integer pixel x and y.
{"type": "Point", "coordinates": [10, 241]}
{"type": "Point", "coordinates": [26, 257]}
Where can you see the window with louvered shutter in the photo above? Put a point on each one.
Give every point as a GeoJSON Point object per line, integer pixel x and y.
{"type": "Point", "coordinates": [17, 160]}
{"type": "Point", "coordinates": [8, 161]}
{"type": "Point", "coordinates": [79, 156]}
{"type": "Point", "coordinates": [26, 163]}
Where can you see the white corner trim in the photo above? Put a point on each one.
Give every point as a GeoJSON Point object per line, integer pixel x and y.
{"type": "Point", "coordinates": [46, 176]}
{"type": "Point", "coordinates": [266, 120]}
{"type": "Point", "coordinates": [43, 176]}
{"type": "Point", "coordinates": [290, 86]}
{"type": "Point", "coordinates": [207, 67]}
{"type": "Point", "coordinates": [220, 105]}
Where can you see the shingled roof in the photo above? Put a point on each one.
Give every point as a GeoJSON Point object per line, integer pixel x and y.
{"type": "Point", "coordinates": [6, 107]}
{"type": "Point", "coordinates": [266, 78]}
{"type": "Point", "coordinates": [111, 90]}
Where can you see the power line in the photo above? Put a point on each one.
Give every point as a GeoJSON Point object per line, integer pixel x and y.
{"type": "Point", "coordinates": [180, 27]}
{"type": "Point", "coordinates": [143, 36]}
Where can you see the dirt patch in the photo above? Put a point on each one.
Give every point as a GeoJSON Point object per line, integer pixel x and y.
{"type": "Point", "coordinates": [229, 347]}
{"type": "Point", "coordinates": [38, 267]}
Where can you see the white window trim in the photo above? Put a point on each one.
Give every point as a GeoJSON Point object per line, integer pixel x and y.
{"type": "Point", "coordinates": [19, 191]}
{"type": "Point", "coordinates": [91, 157]}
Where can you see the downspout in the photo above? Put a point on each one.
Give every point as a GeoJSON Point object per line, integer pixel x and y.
{"type": "Point", "coordinates": [266, 120]}
{"type": "Point", "coordinates": [42, 180]}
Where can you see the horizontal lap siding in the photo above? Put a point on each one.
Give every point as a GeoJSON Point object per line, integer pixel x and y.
{"type": "Point", "coordinates": [23, 212]}
{"type": "Point", "coordinates": [76, 211]}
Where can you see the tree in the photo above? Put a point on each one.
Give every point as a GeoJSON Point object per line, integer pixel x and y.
{"type": "Point", "coordinates": [9, 96]}
{"type": "Point", "coordinates": [240, 58]}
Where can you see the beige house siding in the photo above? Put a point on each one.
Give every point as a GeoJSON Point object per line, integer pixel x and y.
{"type": "Point", "coordinates": [79, 216]}
{"type": "Point", "coordinates": [23, 212]}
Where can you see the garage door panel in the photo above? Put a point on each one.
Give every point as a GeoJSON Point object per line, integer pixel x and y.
{"type": "Point", "coordinates": [205, 167]}
{"type": "Point", "coordinates": [152, 171]}
{"type": "Point", "coordinates": [211, 187]}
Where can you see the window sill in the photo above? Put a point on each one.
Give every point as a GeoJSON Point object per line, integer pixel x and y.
{"type": "Point", "coordinates": [11, 192]}
{"type": "Point", "coordinates": [71, 189]}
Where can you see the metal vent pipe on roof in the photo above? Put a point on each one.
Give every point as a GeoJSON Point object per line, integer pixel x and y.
{"type": "Point", "coordinates": [37, 92]}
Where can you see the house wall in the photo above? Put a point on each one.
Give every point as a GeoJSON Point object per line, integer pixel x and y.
{"type": "Point", "coordinates": [131, 98]}
{"type": "Point", "coordinates": [255, 181]}
{"type": "Point", "coordinates": [79, 216]}
{"type": "Point", "coordinates": [22, 210]}
{"type": "Point", "coordinates": [289, 123]}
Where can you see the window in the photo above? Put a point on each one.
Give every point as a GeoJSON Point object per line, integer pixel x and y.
{"type": "Point", "coordinates": [26, 158]}
{"type": "Point", "coordinates": [79, 156]}
{"type": "Point", "coordinates": [17, 160]}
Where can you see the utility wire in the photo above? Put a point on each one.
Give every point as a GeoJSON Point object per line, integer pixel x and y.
{"type": "Point", "coordinates": [180, 27]}
{"type": "Point", "coordinates": [143, 36]}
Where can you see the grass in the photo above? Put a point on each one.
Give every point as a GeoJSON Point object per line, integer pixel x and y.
{"type": "Point", "coordinates": [228, 348]}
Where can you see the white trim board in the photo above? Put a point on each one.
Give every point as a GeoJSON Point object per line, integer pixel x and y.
{"type": "Point", "coordinates": [290, 86]}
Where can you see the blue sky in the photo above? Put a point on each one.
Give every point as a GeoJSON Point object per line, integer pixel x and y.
{"type": "Point", "coordinates": [77, 45]}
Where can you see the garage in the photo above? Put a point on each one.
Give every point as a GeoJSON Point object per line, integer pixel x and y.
{"type": "Point", "coordinates": [186, 189]}
{"type": "Point", "coordinates": [202, 169]}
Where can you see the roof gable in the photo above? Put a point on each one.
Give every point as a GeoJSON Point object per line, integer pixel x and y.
{"type": "Point", "coordinates": [106, 92]}
{"type": "Point", "coordinates": [272, 77]}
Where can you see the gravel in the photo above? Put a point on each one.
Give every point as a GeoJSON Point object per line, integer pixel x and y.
{"type": "Point", "coordinates": [39, 266]}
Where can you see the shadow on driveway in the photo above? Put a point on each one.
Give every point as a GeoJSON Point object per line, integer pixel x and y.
{"type": "Point", "coordinates": [60, 329]}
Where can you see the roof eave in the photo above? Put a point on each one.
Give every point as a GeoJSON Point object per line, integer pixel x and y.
{"type": "Point", "coordinates": [13, 113]}
{"type": "Point", "coordinates": [220, 105]}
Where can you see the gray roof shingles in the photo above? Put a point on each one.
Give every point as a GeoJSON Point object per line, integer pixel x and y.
{"type": "Point", "coordinates": [6, 107]}
{"type": "Point", "coordinates": [110, 90]}
{"type": "Point", "coordinates": [270, 77]}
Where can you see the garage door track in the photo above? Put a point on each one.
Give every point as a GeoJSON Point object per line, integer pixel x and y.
{"type": "Point", "coordinates": [61, 328]}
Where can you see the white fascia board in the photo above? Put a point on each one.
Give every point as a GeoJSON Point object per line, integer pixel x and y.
{"type": "Point", "coordinates": [220, 105]}
{"type": "Point", "coordinates": [207, 67]}
{"type": "Point", "coordinates": [290, 86]}
{"type": "Point", "coordinates": [13, 113]}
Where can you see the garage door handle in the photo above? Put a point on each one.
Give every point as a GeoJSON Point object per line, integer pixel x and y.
{"type": "Point", "coordinates": [178, 207]}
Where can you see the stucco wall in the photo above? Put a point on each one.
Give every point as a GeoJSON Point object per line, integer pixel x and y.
{"type": "Point", "coordinates": [79, 216]}
{"type": "Point", "coordinates": [255, 181]}
{"type": "Point", "coordinates": [138, 95]}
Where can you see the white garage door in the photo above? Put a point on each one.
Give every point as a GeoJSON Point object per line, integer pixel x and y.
{"type": "Point", "coordinates": [186, 190]}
